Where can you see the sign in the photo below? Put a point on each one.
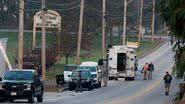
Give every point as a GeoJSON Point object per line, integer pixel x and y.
{"type": "Point", "coordinates": [53, 19]}
{"type": "Point", "coordinates": [132, 44]}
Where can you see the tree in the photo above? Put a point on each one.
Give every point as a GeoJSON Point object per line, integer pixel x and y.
{"type": "Point", "coordinates": [173, 12]}
{"type": "Point", "coordinates": [68, 40]}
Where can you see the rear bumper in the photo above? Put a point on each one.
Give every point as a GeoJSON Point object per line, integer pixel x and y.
{"type": "Point", "coordinates": [15, 94]}
{"type": "Point", "coordinates": [127, 74]}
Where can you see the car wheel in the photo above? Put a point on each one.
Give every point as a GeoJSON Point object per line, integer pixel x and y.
{"type": "Point", "coordinates": [99, 84]}
{"type": "Point", "coordinates": [11, 100]}
{"type": "Point", "coordinates": [40, 98]}
{"type": "Point", "coordinates": [111, 78]}
{"type": "Point", "coordinates": [91, 86]}
{"type": "Point", "coordinates": [71, 87]}
{"type": "Point", "coordinates": [116, 79]}
{"type": "Point", "coordinates": [31, 99]}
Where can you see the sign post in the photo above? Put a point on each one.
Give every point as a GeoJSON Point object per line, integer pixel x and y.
{"type": "Point", "coordinates": [53, 20]}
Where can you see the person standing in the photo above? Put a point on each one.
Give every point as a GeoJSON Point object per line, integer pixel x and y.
{"type": "Point", "coordinates": [104, 72]}
{"type": "Point", "coordinates": [150, 70]}
{"type": "Point", "coordinates": [79, 85]}
{"type": "Point", "coordinates": [145, 68]}
{"type": "Point", "coordinates": [167, 82]}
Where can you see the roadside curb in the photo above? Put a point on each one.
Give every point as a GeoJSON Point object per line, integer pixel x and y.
{"type": "Point", "coordinates": [63, 89]}
{"type": "Point", "coordinates": [155, 48]}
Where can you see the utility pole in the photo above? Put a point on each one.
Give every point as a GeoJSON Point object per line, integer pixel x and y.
{"type": "Point", "coordinates": [140, 22]}
{"type": "Point", "coordinates": [21, 31]}
{"type": "Point", "coordinates": [124, 22]}
{"type": "Point", "coordinates": [80, 31]}
{"type": "Point", "coordinates": [103, 30]}
{"type": "Point", "coordinates": [43, 52]}
{"type": "Point", "coordinates": [153, 21]}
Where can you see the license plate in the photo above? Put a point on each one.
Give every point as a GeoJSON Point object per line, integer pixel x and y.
{"type": "Point", "coordinates": [13, 93]}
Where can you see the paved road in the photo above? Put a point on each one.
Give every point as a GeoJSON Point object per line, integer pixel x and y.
{"type": "Point", "coordinates": [126, 92]}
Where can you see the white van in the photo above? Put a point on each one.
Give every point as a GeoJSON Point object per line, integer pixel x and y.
{"type": "Point", "coordinates": [121, 62]}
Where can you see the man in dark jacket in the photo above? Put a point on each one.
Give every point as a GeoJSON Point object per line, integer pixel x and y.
{"type": "Point", "coordinates": [167, 81]}
{"type": "Point", "coordinates": [150, 70]}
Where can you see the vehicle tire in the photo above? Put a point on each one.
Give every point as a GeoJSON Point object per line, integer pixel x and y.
{"type": "Point", "coordinates": [2, 100]}
{"type": "Point", "coordinates": [133, 78]}
{"type": "Point", "coordinates": [111, 78]}
{"type": "Point", "coordinates": [91, 86]}
{"type": "Point", "coordinates": [31, 99]}
{"type": "Point", "coordinates": [99, 84]}
{"type": "Point", "coordinates": [40, 98]}
{"type": "Point", "coordinates": [116, 79]}
{"type": "Point", "coordinates": [71, 87]}
{"type": "Point", "coordinates": [127, 79]}
{"type": "Point", "coordinates": [11, 100]}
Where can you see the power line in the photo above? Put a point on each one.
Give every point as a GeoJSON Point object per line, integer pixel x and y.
{"type": "Point", "coordinates": [32, 10]}
{"type": "Point", "coordinates": [55, 4]}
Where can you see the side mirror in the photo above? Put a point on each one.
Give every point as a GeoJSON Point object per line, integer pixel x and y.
{"type": "Point", "coordinates": [1, 79]}
{"type": "Point", "coordinates": [69, 76]}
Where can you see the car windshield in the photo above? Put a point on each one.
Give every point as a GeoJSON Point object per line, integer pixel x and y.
{"type": "Point", "coordinates": [70, 68]}
{"type": "Point", "coordinates": [84, 74]}
{"type": "Point", "coordinates": [18, 75]}
{"type": "Point", "coordinates": [91, 68]}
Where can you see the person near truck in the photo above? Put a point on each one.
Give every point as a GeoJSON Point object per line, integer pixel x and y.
{"type": "Point", "coordinates": [104, 72]}
{"type": "Point", "coordinates": [167, 82]}
{"type": "Point", "coordinates": [150, 70]}
{"type": "Point", "coordinates": [145, 68]}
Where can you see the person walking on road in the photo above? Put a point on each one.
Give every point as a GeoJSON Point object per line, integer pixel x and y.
{"type": "Point", "coordinates": [167, 81]}
{"type": "Point", "coordinates": [150, 70]}
{"type": "Point", "coordinates": [145, 68]}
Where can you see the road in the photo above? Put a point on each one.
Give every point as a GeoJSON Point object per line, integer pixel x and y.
{"type": "Point", "coordinates": [126, 92]}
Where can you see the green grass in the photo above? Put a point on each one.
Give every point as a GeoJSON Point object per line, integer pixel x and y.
{"type": "Point", "coordinates": [147, 45]}
{"type": "Point", "coordinates": [55, 70]}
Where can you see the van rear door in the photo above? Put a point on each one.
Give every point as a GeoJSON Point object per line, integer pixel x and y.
{"type": "Point", "coordinates": [121, 62]}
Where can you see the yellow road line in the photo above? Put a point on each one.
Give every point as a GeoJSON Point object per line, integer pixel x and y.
{"type": "Point", "coordinates": [138, 94]}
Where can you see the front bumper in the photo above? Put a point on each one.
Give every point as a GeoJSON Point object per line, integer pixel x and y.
{"type": "Point", "coordinates": [83, 84]}
{"type": "Point", "coordinates": [4, 94]}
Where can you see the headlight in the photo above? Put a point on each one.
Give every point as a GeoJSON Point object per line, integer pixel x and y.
{"type": "Point", "coordinates": [27, 86]}
{"type": "Point", "coordinates": [95, 78]}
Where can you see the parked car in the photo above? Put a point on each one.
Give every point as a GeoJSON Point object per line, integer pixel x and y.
{"type": "Point", "coordinates": [21, 84]}
{"type": "Point", "coordinates": [93, 67]}
{"type": "Point", "coordinates": [68, 69]}
{"type": "Point", "coordinates": [86, 79]}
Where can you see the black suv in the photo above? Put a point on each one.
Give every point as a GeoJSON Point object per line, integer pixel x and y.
{"type": "Point", "coordinates": [21, 84]}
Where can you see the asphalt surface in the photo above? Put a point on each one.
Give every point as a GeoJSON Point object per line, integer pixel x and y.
{"type": "Point", "coordinates": [138, 91]}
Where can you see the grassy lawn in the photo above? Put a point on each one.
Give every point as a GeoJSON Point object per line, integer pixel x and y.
{"type": "Point", "coordinates": [93, 55]}
{"type": "Point", "coordinates": [12, 43]}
